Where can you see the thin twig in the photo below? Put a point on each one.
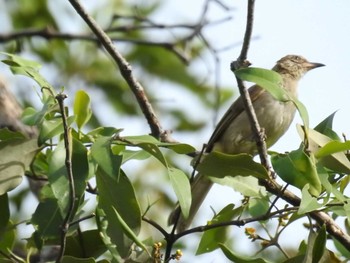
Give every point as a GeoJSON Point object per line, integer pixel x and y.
{"type": "Point", "coordinates": [259, 133]}
{"type": "Point", "coordinates": [321, 218]}
{"type": "Point", "coordinates": [68, 163]}
{"type": "Point", "coordinates": [124, 68]}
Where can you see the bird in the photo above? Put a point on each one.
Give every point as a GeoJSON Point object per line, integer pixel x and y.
{"type": "Point", "coordinates": [11, 112]}
{"type": "Point", "coordinates": [10, 118]}
{"type": "Point", "coordinates": [233, 133]}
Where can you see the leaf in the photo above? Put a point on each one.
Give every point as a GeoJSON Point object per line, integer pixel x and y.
{"type": "Point", "coordinates": [129, 232]}
{"type": "Point", "coordinates": [102, 225]}
{"type": "Point", "coordinates": [153, 150]}
{"type": "Point", "coordinates": [332, 147]}
{"type": "Point", "coordinates": [212, 238]}
{"type": "Point", "coordinates": [298, 169]}
{"type": "Point", "coordinates": [82, 108]}
{"type": "Point", "coordinates": [323, 175]}
{"type": "Point", "coordinates": [238, 258]}
{"type": "Point", "coordinates": [337, 161]}
{"type": "Point", "coordinates": [180, 148]}
{"type": "Point", "coordinates": [267, 79]}
{"type": "Point", "coordinates": [5, 214]}
{"type": "Point", "coordinates": [246, 185]}
{"type": "Point", "coordinates": [27, 68]}
{"type": "Point", "coordinates": [258, 206]}
{"type": "Point", "coordinates": [102, 154]}
{"type": "Point", "coordinates": [47, 218]}
{"type": "Point", "coordinates": [116, 192]}
{"type": "Point", "coordinates": [308, 203]}
{"type": "Point", "coordinates": [8, 237]}
{"type": "Point", "coordinates": [325, 127]}
{"type": "Point", "coordinates": [88, 244]}
{"type": "Point", "coordinates": [219, 165]}
{"type": "Point", "coordinates": [52, 128]}
{"type": "Point", "coordinates": [70, 259]}
{"type": "Point", "coordinates": [6, 134]}
{"type": "Point", "coordinates": [16, 156]}
{"type": "Point", "coordinates": [182, 189]}
{"type": "Point", "coordinates": [319, 245]}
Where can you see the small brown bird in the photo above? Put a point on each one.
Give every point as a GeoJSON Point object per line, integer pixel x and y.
{"type": "Point", "coordinates": [10, 117]}
{"type": "Point", "coordinates": [11, 111]}
{"type": "Point", "coordinates": [233, 134]}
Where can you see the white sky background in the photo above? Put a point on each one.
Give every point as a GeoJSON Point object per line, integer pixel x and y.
{"type": "Point", "coordinates": [317, 30]}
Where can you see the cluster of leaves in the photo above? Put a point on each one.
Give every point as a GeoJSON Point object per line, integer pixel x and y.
{"type": "Point", "coordinates": [99, 153]}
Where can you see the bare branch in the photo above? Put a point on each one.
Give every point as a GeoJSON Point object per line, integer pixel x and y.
{"type": "Point", "coordinates": [124, 68]}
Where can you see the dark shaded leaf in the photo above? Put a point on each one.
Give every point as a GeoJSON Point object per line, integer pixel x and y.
{"type": "Point", "coordinates": [219, 165]}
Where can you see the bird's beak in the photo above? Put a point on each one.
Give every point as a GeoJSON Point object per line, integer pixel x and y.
{"type": "Point", "coordinates": [312, 65]}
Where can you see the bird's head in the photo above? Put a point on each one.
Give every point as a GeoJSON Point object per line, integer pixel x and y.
{"type": "Point", "coordinates": [295, 66]}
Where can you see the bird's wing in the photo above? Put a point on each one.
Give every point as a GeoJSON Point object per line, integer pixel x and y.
{"type": "Point", "coordinates": [236, 109]}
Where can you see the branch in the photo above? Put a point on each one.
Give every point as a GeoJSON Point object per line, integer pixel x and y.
{"type": "Point", "coordinates": [68, 163]}
{"type": "Point", "coordinates": [321, 217]}
{"type": "Point", "coordinates": [124, 68]}
{"type": "Point", "coordinates": [49, 33]}
{"type": "Point", "coordinates": [259, 134]}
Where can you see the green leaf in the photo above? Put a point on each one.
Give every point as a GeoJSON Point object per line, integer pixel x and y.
{"type": "Point", "coordinates": [308, 203]}
{"type": "Point", "coordinates": [319, 245]}
{"type": "Point", "coordinates": [258, 206]}
{"type": "Point", "coordinates": [325, 127]}
{"type": "Point", "coordinates": [134, 155]}
{"type": "Point", "coordinates": [332, 147]}
{"type": "Point", "coordinates": [212, 238]}
{"type": "Point", "coordinates": [323, 175]}
{"type": "Point", "coordinates": [219, 165]}
{"type": "Point", "coordinates": [303, 113]}
{"type": "Point", "coordinates": [182, 188]}
{"type": "Point", "coordinates": [52, 128]}
{"type": "Point", "coordinates": [88, 244]}
{"type": "Point", "coordinates": [47, 218]}
{"type": "Point", "coordinates": [129, 232]}
{"type": "Point", "coordinates": [116, 192]}
{"type": "Point", "coordinates": [102, 224]}
{"type": "Point", "coordinates": [58, 177]}
{"type": "Point", "coordinates": [104, 132]}
{"type": "Point", "coordinates": [180, 148]}
{"type": "Point", "coordinates": [337, 161]}
{"type": "Point", "coordinates": [141, 139]}
{"type": "Point", "coordinates": [27, 68]}
{"type": "Point", "coordinates": [267, 79]}
{"type": "Point", "coordinates": [246, 185]}
{"type": "Point", "coordinates": [8, 237]}
{"type": "Point", "coordinates": [102, 154]}
{"type": "Point", "coordinates": [80, 167]}
{"type": "Point", "coordinates": [5, 214]}
{"type": "Point", "coordinates": [298, 169]}
{"type": "Point", "coordinates": [238, 258]}
{"type": "Point", "coordinates": [153, 150]}
{"type": "Point", "coordinates": [16, 156]}
{"type": "Point", "coordinates": [82, 108]}
{"type": "Point", "coordinates": [70, 259]}
{"type": "Point", "coordinates": [6, 134]}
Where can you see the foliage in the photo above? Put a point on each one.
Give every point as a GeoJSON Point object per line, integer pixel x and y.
{"type": "Point", "coordinates": [100, 201]}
